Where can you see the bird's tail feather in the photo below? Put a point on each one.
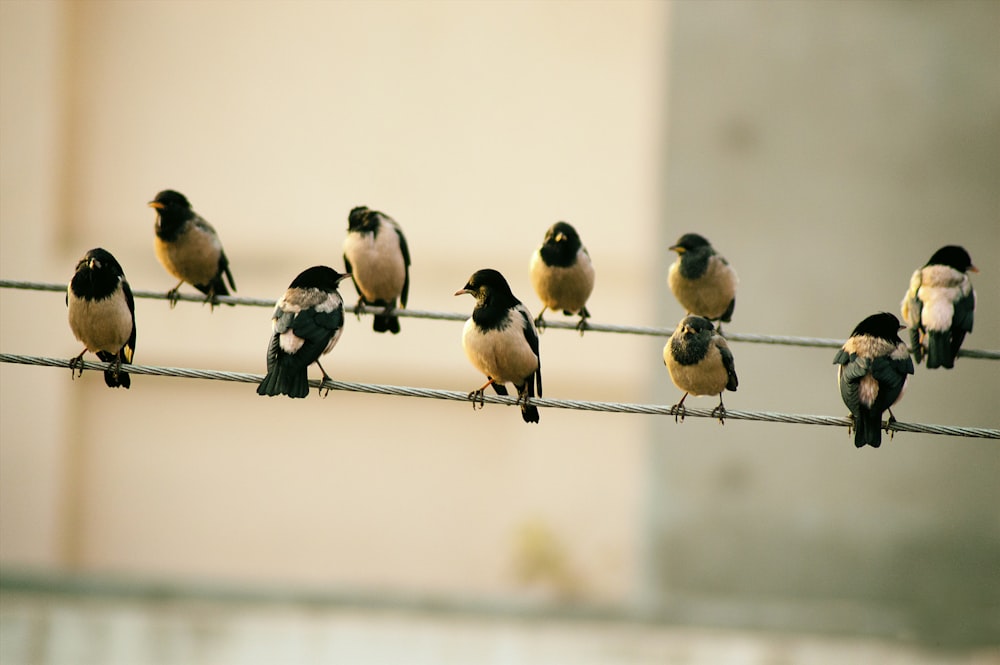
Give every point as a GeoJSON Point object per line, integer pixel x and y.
{"type": "Point", "coordinates": [119, 380]}
{"type": "Point", "coordinates": [868, 429]}
{"type": "Point", "coordinates": [529, 413]}
{"type": "Point", "coordinates": [915, 345]}
{"type": "Point", "coordinates": [384, 323]}
{"type": "Point", "coordinates": [284, 380]}
{"type": "Point", "coordinates": [939, 352]}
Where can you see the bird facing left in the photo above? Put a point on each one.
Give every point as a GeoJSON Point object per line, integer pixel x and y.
{"type": "Point", "coordinates": [102, 314]}
{"type": "Point", "coordinates": [189, 248]}
{"type": "Point", "coordinates": [500, 341]}
{"type": "Point", "coordinates": [307, 323]}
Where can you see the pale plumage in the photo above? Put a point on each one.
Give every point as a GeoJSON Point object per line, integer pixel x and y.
{"type": "Point", "coordinates": [702, 280]}
{"type": "Point", "coordinates": [377, 256]}
{"type": "Point", "coordinates": [700, 363]}
{"type": "Point", "coordinates": [562, 274]}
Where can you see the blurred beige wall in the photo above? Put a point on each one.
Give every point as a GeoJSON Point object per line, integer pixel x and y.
{"type": "Point", "coordinates": [826, 148]}
{"type": "Point", "coordinates": [476, 126]}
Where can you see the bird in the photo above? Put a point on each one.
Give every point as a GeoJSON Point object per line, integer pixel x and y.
{"type": "Point", "coordinates": [702, 280]}
{"type": "Point", "coordinates": [102, 314]}
{"type": "Point", "coordinates": [500, 341]}
{"type": "Point", "coordinates": [562, 274]}
{"type": "Point", "coordinates": [874, 366]}
{"type": "Point", "coordinates": [378, 259]}
{"type": "Point", "coordinates": [189, 248]}
{"type": "Point", "coordinates": [307, 323]}
{"type": "Point", "coordinates": [700, 363]}
{"type": "Point", "coordinates": [939, 306]}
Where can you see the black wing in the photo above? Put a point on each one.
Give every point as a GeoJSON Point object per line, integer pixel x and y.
{"type": "Point", "coordinates": [316, 329]}
{"type": "Point", "coordinates": [891, 375]}
{"type": "Point", "coordinates": [129, 349]}
{"type": "Point", "coordinates": [532, 337]}
{"type": "Point", "coordinates": [406, 262]}
{"type": "Point", "coordinates": [728, 363]}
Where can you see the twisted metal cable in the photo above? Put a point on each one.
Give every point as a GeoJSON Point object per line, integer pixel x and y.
{"type": "Point", "coordinates": [456, 396]}
{"type": "Point", "coordinates": [784, 340]}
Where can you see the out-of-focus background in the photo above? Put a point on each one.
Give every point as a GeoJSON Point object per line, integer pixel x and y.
{"type": "Point", "coordinates": [826, 149]}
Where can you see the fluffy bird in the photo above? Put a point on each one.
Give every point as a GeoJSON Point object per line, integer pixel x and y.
{"type": "Point", "coordinates": [700, 363]}
{"type": "Point", "coordinates": [874, 366]}
{"type": "Point", "coordinates": [939, 306]}
{"type": "Point", "coordinates": [102, 314]}
{"type": "Point", "coordinates": [501, 342]}
{"type": "Point", "coordinates": [562, 274]}
{"type": "Point", "coordinates": [307, 323]}
{"type": "Point", "coordinates": [702, 280]}
{"type": "Point", "coordinates": [189, 248]}
{"type": "Point", "coordinates": [376, 255]}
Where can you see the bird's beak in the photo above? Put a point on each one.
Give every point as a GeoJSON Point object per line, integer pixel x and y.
{"type": "Point", "coordinates": [973, 269]}
{"type": "Point", "coordinates": [677, 248]}
{"type": "Point", "coordinates": [343, 277]}
{"type": "Point", "coordinates": [156, 204]}
{"type": "Point", "coordinates": [93, 263]}
{"type": "Point", "coordinates": [462, 291]}
{"type": "Point", "coordinates": [560, 237]}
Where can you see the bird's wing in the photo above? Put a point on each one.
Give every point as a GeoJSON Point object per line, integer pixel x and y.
{"type": "Point", "coordinates": [404, 296]}
{"type": "Point", "coordinates": [852, 366]}
{"type": "Point", "coordinates": [224, 268]}
{"type": "Point", "coordinates": [204, 226]}
{"type": "Point", "coordinates": [531, 335]}
{"type": "Point", "coordinates": [728, 363]}
{"type": "Point", "coordinates": [911, 306]}
{"type": "Point", "coordinates": [129, 349]}
{"type": "Point", "coordinates": [891, 376]}
{"type": "Point", "coordinates": [319, 327]}
{"type": "Point", "coordinates": [965, 308]}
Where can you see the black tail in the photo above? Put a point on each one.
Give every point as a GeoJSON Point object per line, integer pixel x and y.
{"type": "Point", "coordinates": [284, 380]}
{"type": "Point", "coordinates": [383, 323]}
{"type": "Point", "coordinates": [939, 353]}
{"type": "Point", "coordinates": [915, 346]}
{"type": "Point", "coordinates": [113, 379]}
{"type": "Point", "coordinates": [529, 412]}
{"type": "Point", "coordinates": [868, 429]}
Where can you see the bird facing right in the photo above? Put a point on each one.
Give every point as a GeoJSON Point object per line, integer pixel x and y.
{"type": "Point", "coordinates": [874, 366]}
{"type": "Point", "coordinates": [939, 306]}
{"type": "Point", "coordinates": [562, 274]}
{"type": "Point", "coordinates": [702, 280]}
{"type": "Point", "coordinates": [700, 363]}
{"type": "Point", "coordinates": [307, 322]}
{"type": "Point", "coordinates": [102, 314]}
{"type": "Point", "coordinates": [501, 341]}
{"type": "Point", "coordinates": [376, 255]}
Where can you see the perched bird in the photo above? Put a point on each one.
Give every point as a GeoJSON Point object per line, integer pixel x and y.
{"type": "Point", "coordinates": [189, 248]}
{"type": "Point", "coordinates": [700, 363]}
{"type": "Point", "coordinates": [376, 255]}
{"type": "Point", "coordinates": [501, 342]}
{"type": "Point", "coordinates": [562, 274]}
{"type": "Point", "coordinates": [102, 314]}
{"type": "Point", "coordinates": [874, 366]}
{"type": "Point", "coordinates": [307, 323]}
{"type": "Point", "coordinates": [939, 306]}
{"type": "Point", "coordinates": [702, 281]}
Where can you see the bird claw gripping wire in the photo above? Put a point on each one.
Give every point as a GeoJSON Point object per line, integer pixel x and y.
{"type": "Point", "coordinates": [359, 309]}
{"type": "Point", "coordinates": [678, 411]}
{"type": "Point", "coordinates": [888, 425]}
{"type": "Point", "coordinates": [720, 413]}
{"type": "Point", "coordinates": [173, 295]}
{"type": "Point", "coordinates": [477, 396]}
{"type": "Point", "coordinates": [76, 365]}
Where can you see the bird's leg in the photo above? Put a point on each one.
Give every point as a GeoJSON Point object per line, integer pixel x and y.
{"type": "Point", "coordinates": [324, 390]}
{"type": "Point", "coordinates": [889, 423]}
{"type": "Point", "coordinates": [678, 410]}
{"type": "Point", "coordinates": [173, 293]}
{"type": "Point", "coordinates": [76, 364]}
{"type": "Point", "coordinates": [582, 325]}
{"type": "Point", "coordinates": [539, 321]}
{"type": "Point", "coordinates": [720, 411]}
{"type": "Point", "coordinates": [210, 299]}
{"type": "Point", "coordinates": [118, 364]}
{"type": "Point", "coordinates": [360, 307]}
{"type": "Point", "coordinates": [850, 427]}
{"type": "Point", "coordinates": [477, 395]}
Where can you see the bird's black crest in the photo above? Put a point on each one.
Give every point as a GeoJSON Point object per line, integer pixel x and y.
{"type": "Point", "coordinates": [952, 256]}
{"type": "Point", "coordinates": [690, 241]}
{"type": "Point", "coordinates": [318, 277]}
{"type": "Point", "coordinates": [882, 326]}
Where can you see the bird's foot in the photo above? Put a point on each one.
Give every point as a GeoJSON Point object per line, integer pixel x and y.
{"type": "Point", "coordinates": [324, 389]}
{"type": "Point", "coordinates": [172, 296]}
{"type": "Point", "coordinates": [888, 425]}
{"type": "Point", "coordinates": [540, 323]}
{"type": "Point", "coordinates": [678, 411]}
{"type": "Point", "coordinates": [477, 396]}
{"type": "Point", "coordinates": [850, 426]}
{"type": "Point", "coordinates": [211, 300]}
{"type": "Point", "coordinates": [359, 308]}
{"type": "Point", "coordinates": [720, 413]}
{"type": "Point", "coordinates": [582, 325]}
{"type": "Point", "coordinates": [76, 365]}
